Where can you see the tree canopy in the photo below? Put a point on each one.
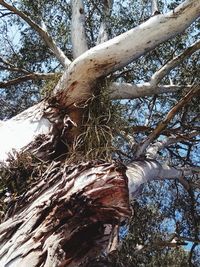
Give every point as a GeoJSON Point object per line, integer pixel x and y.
{"type": "Point", "coordinates": [144, 104]}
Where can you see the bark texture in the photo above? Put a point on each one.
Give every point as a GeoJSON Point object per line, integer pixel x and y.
{"type": "Point", "coordinates": [68, 217]}
{"type": "Point", "coordinates": [72, 214]}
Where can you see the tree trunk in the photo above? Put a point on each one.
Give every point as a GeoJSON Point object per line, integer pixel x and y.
{"type": "Point", "coordinates": [67, 218]}
{"type": "Point", "coordinates": [72, 213]}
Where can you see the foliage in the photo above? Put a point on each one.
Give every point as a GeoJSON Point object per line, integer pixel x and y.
{"type": "Point", "coordinates": [109, 124]}
{"type": "Point", "coordinates": [141, 246]}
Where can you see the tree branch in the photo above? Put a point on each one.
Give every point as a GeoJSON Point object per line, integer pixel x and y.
{"type": "Point", "coordinates": [163, 124]}
{"type": "Point", "coordinates": [75, 86]}
{"type": "Point", "coordinates": [78, 36]}
{"type": "Point", "coordinates": [131, 91]}
{"type": "Point", "coordinates": [42, 32]}
{"type": "Point", "coordinates": [104, 27]}
{"type": "Point", "coordinates": [164, 70]}
{"type": "Point", "coordinates": [11, 67]}
{"type": "Point", "coordinates": [141, 172]}
{"type": "Point", "coordinates": [121, 50]}
{"type": "Point", "coordinates": [30, 76]}
{"type": "Point", "coordinates": [153, 149]}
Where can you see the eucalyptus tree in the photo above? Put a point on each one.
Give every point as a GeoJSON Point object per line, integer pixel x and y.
{"type": "Point", "coordinates": [119, 82]}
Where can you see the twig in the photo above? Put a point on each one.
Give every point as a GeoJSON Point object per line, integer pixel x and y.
{"type": "Point", "coordinates": [163, 124]}
{"type": "Point", "coordinates": [31, 76]}
{"type": "Point", "coordinates": [42, 32]}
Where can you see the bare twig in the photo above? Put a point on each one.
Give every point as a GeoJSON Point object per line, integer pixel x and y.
{"type": "Point", "coordinates": [31, 76]}
{"type": "Point", "coordinates": [11, 67]}
{"type": "Point", "coordinates": [191, 254]}
{"type": "Point", "coordinates": [163, 124]}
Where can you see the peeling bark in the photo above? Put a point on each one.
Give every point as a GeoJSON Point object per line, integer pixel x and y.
{"type": "Point", "coordinates": [73, 213]}
{"type": "Point", "coordinates": [67, 217]}
{"type": "Point", "coordinates": [78, 82]}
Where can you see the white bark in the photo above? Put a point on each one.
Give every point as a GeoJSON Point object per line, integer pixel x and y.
{"type": "Point", "coordinates": [78, 36]}
{"type": "Point", "coordinates": [152, 150]}
{"type": "Point", "coordinates": [154, 7]}
{"type": "Point", "coordinates": [104, 27]}
{"type": "Point", "coordinates": [141, 172]}
{"type": "Point", "coordinates": [76, 83]}
{"type": "Point", "coordinates": [19, 131]}
{"type": "Point", "coordinates": [131, 91]}
{"type": "Point", "coordinates": [121, 50]}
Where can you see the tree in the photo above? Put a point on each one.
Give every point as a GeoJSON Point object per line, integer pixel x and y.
{"type": "Point", "coordinates": [72, 210]}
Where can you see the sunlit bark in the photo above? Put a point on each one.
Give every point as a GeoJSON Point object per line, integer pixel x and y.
{"type": "Point", "coordinates": [72, 208]}
{"type": "Point", "coordinates": [104, 27]}
{"type": "Point", "coordinates": [131, 91]}
{"type": "Point", "coordinates": [79, 42]}
{"type": "Point", "coordinates": [72, 213]}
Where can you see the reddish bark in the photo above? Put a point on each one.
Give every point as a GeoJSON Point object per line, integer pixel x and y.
{"type": "Point", "coordinates": [70, 216]}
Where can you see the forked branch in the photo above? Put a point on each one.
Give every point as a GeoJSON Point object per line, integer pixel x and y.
{"type": "Point", "coordinates": [163, 124]}
{"type": "Point", "coordinates": [109, 56]}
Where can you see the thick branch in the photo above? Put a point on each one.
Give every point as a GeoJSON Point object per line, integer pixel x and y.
{"type": "Point", "coordinates": [141, 172]}
{"type": "Point", "coordinates": [164, 70]}
{"type": "Point", "coordinates": [131, 91]}
{"type": "Point", "coordinates": [75, 85]}
{"type": "Point", "coordinates": [104, 27]}
{"type": "Point", "coordinates": [42, 32]}
{"type": "Point", "coordinates": [123, 49]}
{"type": "Point", "coordinates": [28, 77]}
{"type": "Point", "coordinates": [163, 124]}
{"type": "Point", "coordinates": [79, 42]}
